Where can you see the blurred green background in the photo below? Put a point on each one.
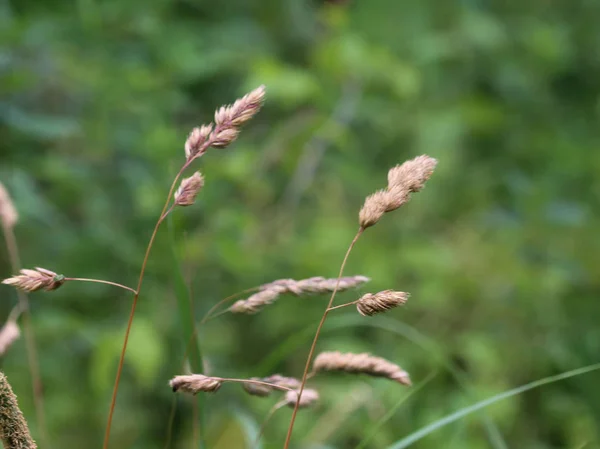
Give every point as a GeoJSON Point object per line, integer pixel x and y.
{"type": "Point", "coordinates": [500, 251]}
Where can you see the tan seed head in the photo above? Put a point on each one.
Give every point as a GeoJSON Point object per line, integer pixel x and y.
{"type": "Point", "coordinates": [9, 333]}
{"type": "Point", "coordinates": [195, 144]}
{"type": "Point", "coordinates": [309, 397]}
{"type": "Point", "coordinates": [371, 304]}
{"type": "Point", "coordinates": [33, 280]}
{"type": "Point", "coordinates": [188, 190]}
{"type": "Point", "coordinates": [195, 383]}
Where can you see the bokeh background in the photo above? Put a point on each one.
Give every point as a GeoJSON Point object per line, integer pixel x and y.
{"type": "Point", "coordinates": [500, 251]}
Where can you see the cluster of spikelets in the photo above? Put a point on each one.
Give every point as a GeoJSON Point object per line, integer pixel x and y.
{"type": "Point", "coordinates": [403, 180]}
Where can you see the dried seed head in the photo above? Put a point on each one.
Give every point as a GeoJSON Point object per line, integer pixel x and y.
{"type": "Point", "coordinates": [195, 383]}
{"type": "Point", "coordinates": [33, 280]}
{"type": "Point", "coordinates": [282, 381]}
{"type": "Point", "coordinates": [317, 285]}
{"type": "Point", "coordinates": [257, 389]}
{"type": "Point", "coordinates": [195, 143]}
{"type": "Point", "coordinates": [360, 364]}
{"type": "Point", "coordinates": [8, 213]}
{"type": "Point", "coordinates": [403, 180]}
{"type": "Point", "coordinates": [254, 303]}
{"type": "Point", "coordinates": [371, 304]}
{"type": "Point", "coordinates": [9, 333]}
{"type": "Point", "coordinates": [242, 110]}
{"type": "Point", "coordinates": [222, 137]}
{"type": "Point", "coordinates": [188, 190]}
{"type": "Point", "coordinates": [270, 292]}
{"type": "Point", "coordinates": [412, 175]}
{"type": "Point", "coordinates": [308, 398]}
{"type": "Point", "coordinates": [374, 208]}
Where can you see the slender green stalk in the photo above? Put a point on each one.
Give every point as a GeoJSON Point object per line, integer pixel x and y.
{"type": "Point", "coordinates": [134, 305]}
{"type": "Point", "coordinates": [436, 425]}
{"type": "Point", "coordinates": [311, 353]}
{"type": "Point", "coordinates": [101, 281]}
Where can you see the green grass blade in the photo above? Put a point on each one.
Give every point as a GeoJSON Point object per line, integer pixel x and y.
{"type": "Point", "coordinates": [184, 302]}
{"type": "Point", "coordinates": [294, 342]}
{"type": "Point", "coordinates": [416, 436]}
{"type": "Point", "coordinates": [394, 409]}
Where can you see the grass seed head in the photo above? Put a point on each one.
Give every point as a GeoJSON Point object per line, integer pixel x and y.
{"type": "Point", "coordinates": [33, 280]}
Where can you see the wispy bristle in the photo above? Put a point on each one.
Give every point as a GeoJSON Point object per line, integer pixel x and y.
{"type": "Point", "coordinates": [188, 190]}
{"type": "Point", "coordinates": [195, 383]}
{"type": "Point", "coordinates": [316, 285]}
{"type": "Point", "coordinates": [371, 304]}
{"type": "Point", "coordinates": [8, 212]}
{"type": "Point", "coordinates": [9, 333]}
{"type": "Point", "coordinates": [33, 280]}
{"type": "Point", "coordinates": [360, 364]}
{"type": "Point", "coordinates": [309, 397]}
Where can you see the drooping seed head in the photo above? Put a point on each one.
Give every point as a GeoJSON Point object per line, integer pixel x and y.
{"type": "Point", "coordinates": [188, 190]}
{"type": "Point", "coordinates": [360, 364]}
{"type": "Point", "coordinates": [222, 137]}
{"type": "Point", "coordinates": [9, 333]}
{"type": "Point", "coordinates": [256, 389]}
{"type": "Point", "coordinates": [309, 397]}
{"type": "Point", "coordinates": [33, 280]}
{"type": "Point", "coordinates": [371, 304]}
{"type": "Point", "coordinates": [283, 381]}
{"type": "Point", "coordinates": [8, 212]}
{"type": "Point", "coordinates": [195, 383]}
{"type": "Point", "coordinates": [255, 302]}
{"type": "Point", "coordinates": [195, 144]}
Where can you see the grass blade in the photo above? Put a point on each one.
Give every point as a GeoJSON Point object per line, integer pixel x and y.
{"type": "Point", "coordinates": [416, 436]}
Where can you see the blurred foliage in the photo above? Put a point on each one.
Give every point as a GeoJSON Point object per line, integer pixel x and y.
{"type": "Point", "coordinates": [500, 251]}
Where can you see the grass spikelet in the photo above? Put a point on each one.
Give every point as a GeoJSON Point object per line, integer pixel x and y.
{"type": "Point", "coordinates": [309, 397]}
{"type": "Point", "coordinates": [372, 304]}
{"type": "Point", "coordinates": [9, 333]}
{"type": "Point", "coordinates": [196, 140]}
{"type": "Point", "coordinates": [360, 364]}
{"type": "Point", "coordinates": [188, 190]}
{"type": "Point", "coordinates": [195, 383]}
{"type": "Point", "coordinates": [270, 292]}
{"type": "Point", "coordinates": [403, 180]}
{"type": "Point", "coordinates": [33, 280]}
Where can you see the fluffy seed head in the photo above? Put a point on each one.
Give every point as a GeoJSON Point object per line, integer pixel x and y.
{"type": "Point", "coordinates": [360, 364]}
{"type": "Point", "coordinates": [33, 280]}
{"type": "Point", "coordinates": [242, 110]}
{"type": "Point", "coordinates": [308, 398]}
{"type": "Point", "coordinates": [257, 389]}
{"type": "Point", "coordinates": [195, 143]}
{"type": "Point", "coordinates": [222, 137]}
{"type": "Point", "coordinates": [403, 180]}
{"type": "Point", "coordinates": [8, 213]}
{"type": "Point", "coordinates": [188, 190]}
{"type": "Point", "coordinates": [371, 304]}
{"type": "Point", "coordinates": [9, 333]}
{"type": "Point", "coordinates": [374, 208]}
{"type": "Point", "coordinates": [270, 292]}
{"type": "Point", "coordinates": [195, 383]}
{"type": "Point", "coordinates": [283, 381]}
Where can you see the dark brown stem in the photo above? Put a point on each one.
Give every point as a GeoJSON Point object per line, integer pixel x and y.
{"type": "Point", "coordinates": [31, 349]}
{"type": "Point", "coordinates": [314, 343]}
{"type": "Point", "coordinates": [100, 281]}
{"type": "Point", "coordinates": [14, 432]}
{"type": "Point", "coordinates": [134, 305]}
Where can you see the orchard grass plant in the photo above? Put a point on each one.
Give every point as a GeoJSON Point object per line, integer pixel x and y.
{"type": "Point", "coordinates": [296, 392]}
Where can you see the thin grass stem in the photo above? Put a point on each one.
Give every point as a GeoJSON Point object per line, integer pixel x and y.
{"type": "Point", "coordinates": [263, 426]}
{"type": "Point", "coordinates": [316, 338]}
{"type": "Point", "coordinates": [101, 281]}
{"type": "Point", "coordinates": [31, 348]}
{"type": "Point", "coordinates": [342, 305]}
{"type": "Point", "coordinates": [134, 305]}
